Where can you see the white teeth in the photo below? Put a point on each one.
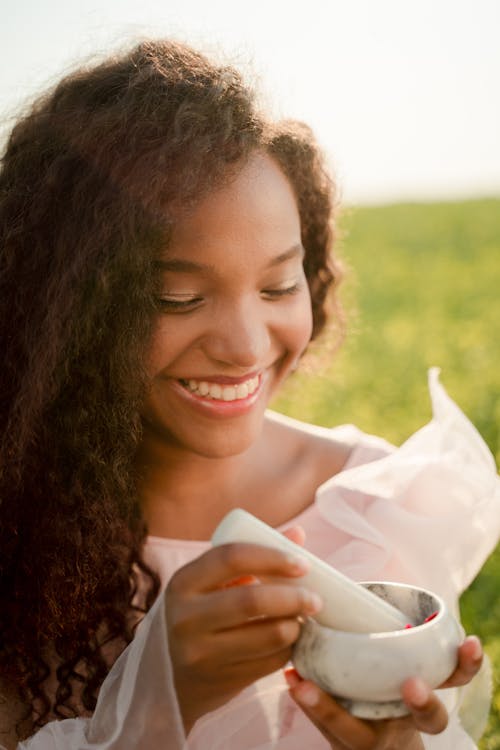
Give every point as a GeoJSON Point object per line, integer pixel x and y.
{"type": "Point", "coordinates": [252, 385]}
{"type": "Point", "coordinates": [242, 390]}
{"type": "Point", "coordinates": [215, 391]}
{"type": "Point", "coordinates": [223, 393]}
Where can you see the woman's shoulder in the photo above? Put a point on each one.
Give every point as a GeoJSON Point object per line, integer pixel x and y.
{"type": "Point", "coordinates": [328, 450]}
{"type": "Point", "coordinates": [294, 459]}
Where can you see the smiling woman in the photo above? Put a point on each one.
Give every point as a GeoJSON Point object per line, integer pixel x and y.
{"type": "Point", "coordinates": [235, 316]}
{"type": "Point", "coordinates": [166, 257]}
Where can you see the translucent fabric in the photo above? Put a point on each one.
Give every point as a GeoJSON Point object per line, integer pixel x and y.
{"type": "Point", "coordinates": [427, 513]}
{"type": "Point", "coordinates": [137, 707]}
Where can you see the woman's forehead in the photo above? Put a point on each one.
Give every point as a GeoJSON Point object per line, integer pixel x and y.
{"type": "Point", "coordinates": [258, 204]}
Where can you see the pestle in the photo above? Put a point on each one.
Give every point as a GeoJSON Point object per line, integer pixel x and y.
{"type": "Point", "coordinates": [346, 605]}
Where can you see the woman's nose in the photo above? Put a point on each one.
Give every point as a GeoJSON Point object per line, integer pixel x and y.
{"type": "Point", "coordinates": [239, 336]}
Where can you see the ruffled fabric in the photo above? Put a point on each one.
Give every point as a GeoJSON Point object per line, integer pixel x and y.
{"type": "Point", "coordinates": [427, 513]}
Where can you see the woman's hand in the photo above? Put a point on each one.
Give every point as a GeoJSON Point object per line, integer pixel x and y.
{"type": "Point", "coordinates": [346, 732]}
{"type": "Point", "coordinates": [223, 638]}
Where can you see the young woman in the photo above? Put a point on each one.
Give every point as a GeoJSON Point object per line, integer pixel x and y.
{"type": "Point", "coordinates": [165, 262]}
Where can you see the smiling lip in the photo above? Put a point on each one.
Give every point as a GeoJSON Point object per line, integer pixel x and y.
{"type": "Point", "coordinates": [221, 396]}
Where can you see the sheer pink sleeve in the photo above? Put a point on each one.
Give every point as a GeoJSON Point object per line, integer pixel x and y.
{"type": "Point", "coordinates": [137, 706]}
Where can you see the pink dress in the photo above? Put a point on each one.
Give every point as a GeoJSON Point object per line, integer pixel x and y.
{"type": "Point", "coordinates": [427, 513]}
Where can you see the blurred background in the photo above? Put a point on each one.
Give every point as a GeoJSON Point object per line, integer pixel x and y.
{"type": "Point", "coordinates": [403, 95]}
{"type": "Point", "coordinates": [405, 100]}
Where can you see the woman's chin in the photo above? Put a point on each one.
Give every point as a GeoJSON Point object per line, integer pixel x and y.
{"type": "Point", "coordinates": [220, 447]}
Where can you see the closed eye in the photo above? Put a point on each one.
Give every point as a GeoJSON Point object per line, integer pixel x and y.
{"type": "Point", "coordinates": [179, 304]}
{"type": "Point", "coordinates": [283, 292]}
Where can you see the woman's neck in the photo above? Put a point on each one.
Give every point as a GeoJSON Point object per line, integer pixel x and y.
{"type": "Point", "coordinates": [185, 495]}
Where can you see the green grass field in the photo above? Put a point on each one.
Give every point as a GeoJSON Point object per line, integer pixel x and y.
{"type": "Point", "coordinates": [424, 290]}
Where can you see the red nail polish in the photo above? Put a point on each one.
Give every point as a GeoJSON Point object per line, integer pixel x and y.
{"type": "Point", "coordinates": [292, 677]}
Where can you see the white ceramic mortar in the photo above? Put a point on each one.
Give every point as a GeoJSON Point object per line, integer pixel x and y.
{"type": "Point", "coordinates": [365, 671]}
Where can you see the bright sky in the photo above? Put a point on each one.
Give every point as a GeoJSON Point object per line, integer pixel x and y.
{"type": "Point", "coordinates": [403, 95]}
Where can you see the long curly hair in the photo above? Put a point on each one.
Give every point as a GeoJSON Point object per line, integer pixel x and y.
{"type": "Point", "coordinates": [92, 179]}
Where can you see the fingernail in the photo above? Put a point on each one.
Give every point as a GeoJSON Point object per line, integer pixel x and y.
{"type": "Point", "coordinates": [420, 693]}
{"type": "Point", "coordinates": [313, 603]}
{"type": "Point", "coordinates": [476, 648]}
{"type": "Point", "coordinates": [292, 677]}
{"type": "Point", "coordinates": [298, 564]}
{"type": "Point", "coordinates": [308, 695]}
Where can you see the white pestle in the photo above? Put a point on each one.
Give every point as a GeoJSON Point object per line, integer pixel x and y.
{"type": "Point", "coordinates": [346, 605]}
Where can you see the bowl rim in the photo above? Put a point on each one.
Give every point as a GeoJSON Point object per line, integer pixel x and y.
{"type": "Point", "coordinates": [442, 612]}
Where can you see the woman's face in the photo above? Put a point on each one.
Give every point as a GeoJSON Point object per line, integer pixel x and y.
{"type": "Point", "coordinates": [235, 314]}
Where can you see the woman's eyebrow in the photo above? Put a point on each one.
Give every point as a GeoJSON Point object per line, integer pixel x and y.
{"type": "Point", "coordinates": [182, 266]}
{"type": "Point", "coordinates": [293, 252]}
{"type": "Point", "coordinates": [188, 266]}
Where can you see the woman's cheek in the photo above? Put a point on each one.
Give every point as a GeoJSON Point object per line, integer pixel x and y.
{"type": "Point", "coordinates": [302, 315]}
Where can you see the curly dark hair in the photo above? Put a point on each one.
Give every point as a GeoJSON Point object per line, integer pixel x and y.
{"type": "Point", "coordinates": [91, 182]}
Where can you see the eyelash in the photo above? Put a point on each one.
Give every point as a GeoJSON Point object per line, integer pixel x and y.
{"type": "Point", "coordinates": [177, 305]}
{"type": "Point", "coordinates": [277, 293]}
{"type": "Point", "coordinates": [180, 306]}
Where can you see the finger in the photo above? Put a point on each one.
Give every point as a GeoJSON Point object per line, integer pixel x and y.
{"type": "Point", "coordinates": [228, 561]}
{"type": "Point", "coordinates": [264, 649]}
{"type": "Point", "coordinates": [225, 609]}
{"type": "Point", "coordinates": [334, 722]}
{"type": "Point", "coordinates": [296, 534]}
{"type": "Point", "coordinates": [259, 667]}
{"type": "Point", "coordinates": [257, 640]}
{"type": "Point", "coordinates": [428, 712]}
{"type": "Point", "coordinates": [236, 607]}
{"type": "Point", "coordinates": [292, 677]}
{"type": "Point", "coordinates": [470, 658]}
{"type": "Point", "coordinates": [244, 580]}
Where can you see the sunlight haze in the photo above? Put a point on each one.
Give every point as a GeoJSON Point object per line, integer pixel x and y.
{"type": "Point", "coordinates": [404, 96]}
